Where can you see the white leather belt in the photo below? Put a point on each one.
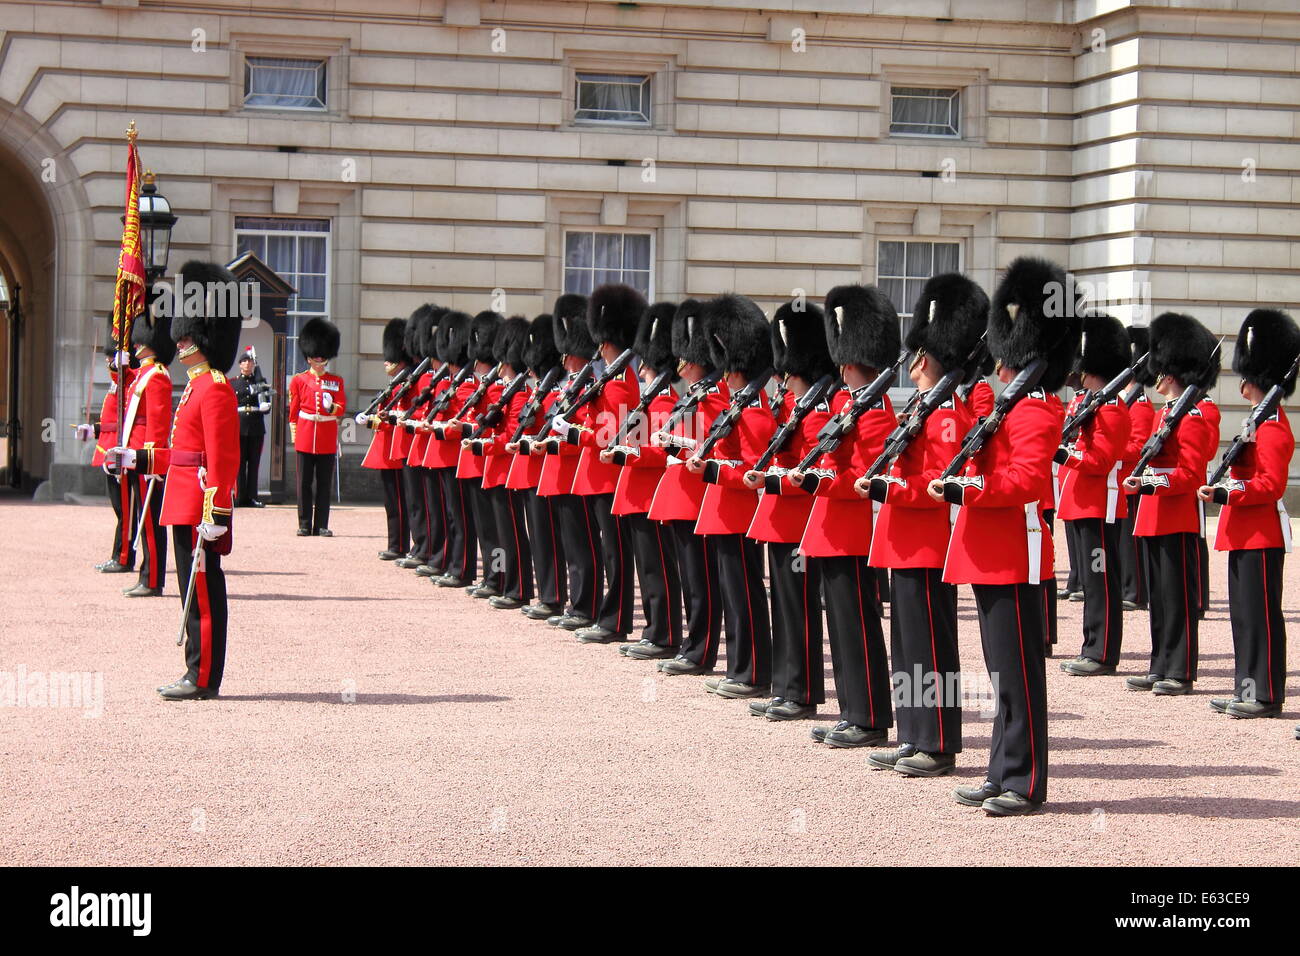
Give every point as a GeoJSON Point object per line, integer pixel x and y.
{"type": "Point", "coordinates": [1112, 493]}
{"type": "Point", "coordinates": [1162, 471]}
{"type": "Point", "coordinates": [309, 416]}
{"type": "Point", "coordinates": [1034, 539]}
{"type": "Point", "coordinates": [1285, 520]}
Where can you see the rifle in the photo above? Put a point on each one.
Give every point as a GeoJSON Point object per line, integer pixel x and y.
{"type": "Point", "coordinates": [725, 422]}
{"type": "Point", "coordinates": [912, 423]}
{"type": "Point", "coordinates": [840, 426]}
{"type": "Point", "coordinates": [475, 397]}
{"type": "Point", "coordinates": [987, 427]}
{"type": "Point", "coordinates": [618, 446]}
{"type": "Point", "coordinates": [810, 399]}
{"type": "Point", "coordinates": [1156, 443]}
{"type": "Point", "coordinates": [496, 411]}
{"type": "Point", "coordinates": [570, 394]}
{"type": "Point", "coordinates": [683, 407]}
{"type": "Point", "coordinates": [1095, 401]}
{"type": "Point", "coordinates": [403, 380]}
{"type": "Point", "coordinates": [612, 371]}
{"type": "Point", "coordinates": [1258, 415]}
{"type": "Point", "coordinates": [427, 392]}
{"type": "Point", "coordinates": [534, 404]}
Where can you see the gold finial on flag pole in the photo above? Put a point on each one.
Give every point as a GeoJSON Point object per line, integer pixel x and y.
{"type": "Point", "coordinates": [131, 132]}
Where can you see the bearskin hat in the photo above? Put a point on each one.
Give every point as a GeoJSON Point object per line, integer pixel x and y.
{"type": "Point", "coordinates": [510, 341]}
{"type": "Point", "coordinates": [1139, 343]}
{"type": "Point", "coordinates": [216, 336]}
{"type": "Point", "coordinates": [395, 343]}
{"type": "Point", "coordinates": [154, 332]}
{"type": "Point", "coordinates": [613, 314]}
{"type": "Point", "coordinates": [861, 327]}
{"type": "Point", "coordinates": [452, 337]}
{"type": "Point", "coordinates": [654, 338]}
{"type": "Point", "coordinates": [799, 342]}
{"type": "Point", "coordinates": [540, 354]}
{"type": "Point", "coordinates": [319, 338]}
{"type": "Point", "coordinates": [569, 323]}
{"type": "Point", "coordinates": [948, 320]}
{"type": "Point", "coordinates": [482, 336]}
{"type": "Point", "coordinates": [689, 342]}
{"type": "Point", "coordinates": [421, 332]}
{"type": "Point", "coordinates": [1267, 345]}
{"type": "Point", "coordinates": [1032, 319]}
{"type": "Point", "coordinates": [738, 336]}
{"type": "Point", "coordinates": [1104, 348]}
{"type": "Point", "coordinates": [1183, 348]}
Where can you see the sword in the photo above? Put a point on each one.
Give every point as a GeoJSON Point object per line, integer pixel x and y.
{"type": "Point", "coordinates": [196, 559]}
{"type": "Point", "coordinates": [144, 505]}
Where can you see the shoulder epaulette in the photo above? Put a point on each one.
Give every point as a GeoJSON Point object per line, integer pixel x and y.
{"type": "Point", "coordinates": [218, 377]}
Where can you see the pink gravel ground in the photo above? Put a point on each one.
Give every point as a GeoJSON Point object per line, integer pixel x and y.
{"type": "Point", "coordinates": [477, 736]}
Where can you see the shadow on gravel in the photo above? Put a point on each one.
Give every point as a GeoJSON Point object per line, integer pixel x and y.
{"type": "Point", "coordinates": [312, 597]}
{"type": "Point", "coordinates": [1157, 771]}
{"type": "Point", "coordinates": [286, 574]}
{"type": "Point", "coordinates": [363, 699]}
{"type": "Point", "coordinates": [1055, 744]}
{"type": "Point", "coordinates": [1229, 808]}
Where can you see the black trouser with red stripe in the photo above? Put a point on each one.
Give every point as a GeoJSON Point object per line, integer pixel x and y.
{"type": "Point", "coordinates": [1258, 627]}
{"type": "Point", "coordinates": [744, 607]}
{"type": "Point", "coordinates": [119, 496]}
{"type": "Point", "coordinates": [547, 548]}
{"type": "Point", "coordinates": [250, 456]}
{"type": "Point", "coordinates": [857, 642]}
{"type": "Point", "coordinates": [1096, 544]}
{"type": "Point", "coordinates": [798, 672]}
{"type": "Point", "coordinates": [512, 537]}
{"type": "Point", "coordinates": [315, 476]}
{"type": "Point", "coordinates": [581, 554]}
{"type": "Point", "coordinates": [1073, 583]}
{"type": "Point", "coordinates": [152, 538]}
{"type": "Point", "coordinates": [657, 578]}
{"type": "Point", "coordinates": [923, 642]}
{"type": "Point", "coordinates": [462, 544]}
{"type": "Point", "coordinates": [1011, 630]}
{"type": "Point", "coordinates": [1173, 574]}
{"type": "Point", "coordinates": [395, 510]}
{"type": "Point", "coordinates": [1203, 581]}
{"type": "Point", "coordinates": [417, 509]}
{"type": "Point", "coordinates": [490, 553]}
{"type": "Point", "coordinates": [1133, 556]}
{"type": "Point", "coordinates": [436, 520]}
{"type": "Point", "coordinates": [1049, 589]}
{"type": "Point", "coordinates": [697, 562]}
{"type": "Point", "coordinates": [615, 612]}
{"type": "Point", "coordinates": [205, 626]}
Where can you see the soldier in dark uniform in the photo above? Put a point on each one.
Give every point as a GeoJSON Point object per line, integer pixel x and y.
{"type": "Point", "coordinates": [253, 393]}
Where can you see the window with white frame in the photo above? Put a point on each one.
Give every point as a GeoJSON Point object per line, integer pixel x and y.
{"type": "Point", "coordinates": [299, 250]}
{"type": "Point", "coordinates": [621, 99]}
{"type": "Point", "coordinates": [902, 268]}
{"type": "Point", "coordinates": [284, 83]}
{"type": "Point", "coordinates": [592, 259]}
{"type": "Point", "coordinates": [925, 111]}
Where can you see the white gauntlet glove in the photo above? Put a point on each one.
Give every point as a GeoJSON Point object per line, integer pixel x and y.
{"type": "Point", "coordinates": [211, 532]}
{"type": "Point", "coordinates": [326, 401]}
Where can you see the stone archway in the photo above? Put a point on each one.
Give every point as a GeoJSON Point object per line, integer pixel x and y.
{"type": "Point", "coordinates": [45, 240]}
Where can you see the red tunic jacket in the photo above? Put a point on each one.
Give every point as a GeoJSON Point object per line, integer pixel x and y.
{"type": "Point", "coordinates": [151, 394]}
{"type": "Point", "coordinates": [445, 452]}
{"type": "Point", "coordinates": [380, 453]}
{"type": "Point", "coordinates": [1141, 422]}
{"type": "Point", "coordinates": [526, 470]}
{"type": "Point", "coordinates": [1253, 516]}
{"type": "Point", "coordinates": [980, 400]}
{"type": "Point", "coordinates": [782, 515]}
{"type": "Point", "coordinates": [679, 494]}
{"type": "Point", "coordinates": [997, 525]}
{"type": "Point", "coordinates": [1174, 508]}
{"type": "Point", "coordinates": [417, 441]}
{"type": "Point", "coordinates": [468, 464]}
{"type": "Point", "coordinates": [1089, 478]}
{"type": "Point", "coordinates": [558, 469]}
{"type": "Point", "coordinates": [600, 419]}
{"type": "Point", "coordinates": [496, 461]}
{"type": "Point", "coordinates": [638, 479]}
{"type": "Point", "coordinates": [841, 519]}
{"type": "Point", "coordinates": [728, 506]}
{"type": "Point", "coordinates": [316, 430]}
{"type": "Point", "coordinates": [912, 528]}
{"type": "Point", "coordinates": [106, 429]}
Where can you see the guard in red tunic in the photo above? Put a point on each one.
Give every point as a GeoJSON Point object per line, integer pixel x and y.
{"type": "Point", "coordinates": [383, 456]}
{"type": "Point", "coordinates": [442, 452]}
{"type": "Point", "coordinates": [652, 544]}
{"type": "Point", "coordinates": [680, 494]}
{"type": "Point", "coordinates": [146, 425]}
{"type": "Point", "coordinates": [545, 542]}
{"type": "Point", "coordinates": [998, 545]}
{"type": "Point", "coordinates": [862, 330]}
{"type": "Point", "coordinates": [1183, 354]}
{"type": "Point", "coordinates": [1254, 527]}
{"type": "Point", "coordinates": [1073, 589]}
{"type": "Point", "coordinates": [740, 342]}
{"type": "Point", "coordinates": [410, 441]}
{"type": "Point", "coordinates": [202, 468]}
{"type": "Point", "coordinates": [316, 405]}
{"type": "Point", "coordinates": [1091, 501]}
{"type": "Point", "coordinates": [104, 434]}
{"type": "Point", "coordinates": [578, 529]}
{"type": "Point", "coordinates": [911, 538]}
{"type": "Point", "coordinates": [613, 314]}
{"type": "Point", "coordinates": [801, 357]}
{"type": "Point", "coordinates": [1141, 414]}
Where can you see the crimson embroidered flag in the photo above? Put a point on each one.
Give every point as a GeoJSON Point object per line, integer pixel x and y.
{"type": "Point", "coordinates": [128, 294]}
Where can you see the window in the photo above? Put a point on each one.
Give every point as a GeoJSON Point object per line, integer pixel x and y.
{"type": "Point", "coordinates": [612, 98]}
{"type": "Point", "coordinates": [902, 268]}
{"type": "Point", "coordinates": [925, 111]}
{"type": "Point", "coordinates": [282, 83]}
{"type": "Point", "coordinates": [592, 259]}
{"type": "Point", "coordinates": [298, 249]}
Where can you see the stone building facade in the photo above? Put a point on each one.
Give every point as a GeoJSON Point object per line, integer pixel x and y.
{"type": "Point", "coordinates": [472, 152]}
